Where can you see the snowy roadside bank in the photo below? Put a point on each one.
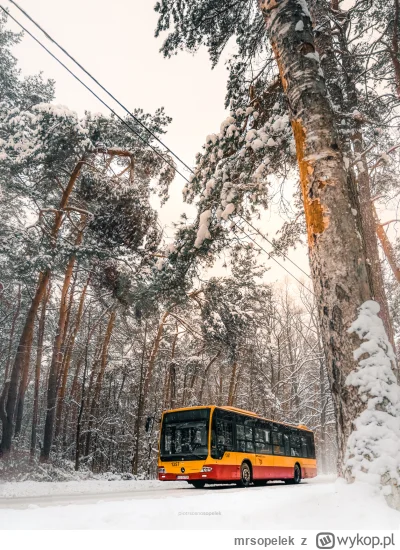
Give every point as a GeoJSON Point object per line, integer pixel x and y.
{"type": "Point", "coordinates": [317, 504]}
{"type": "Point", "coordinates": [26, 489]}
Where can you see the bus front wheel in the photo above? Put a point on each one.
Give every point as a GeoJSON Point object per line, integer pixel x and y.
{"type": "Point", "coordinates": [198, 484]}
{"type": "Point", "coordinates": [296, 476]}
{"type": "Point", "coordinates": [245, 475]}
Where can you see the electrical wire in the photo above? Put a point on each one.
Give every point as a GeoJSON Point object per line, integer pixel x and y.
{"type": "Point", "coordinates": [133, 130]}
{"type": "Point", "coordinates": [268, 241]}
{"type": "Point", "coordinates": [93, 93]}
{"type": "Point", "coordinates": [274, 259]}
{"type": "Point", "coordinates": [98, 83]}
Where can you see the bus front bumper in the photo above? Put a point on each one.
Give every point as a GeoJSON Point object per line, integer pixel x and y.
{"type": "Point", "coordinates": [218, 472]}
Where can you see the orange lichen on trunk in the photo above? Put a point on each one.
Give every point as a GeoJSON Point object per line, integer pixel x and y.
{"type": "Point", "coordinates": [316, 215]}
{"type": "Point", "coordinates": [279, 63]}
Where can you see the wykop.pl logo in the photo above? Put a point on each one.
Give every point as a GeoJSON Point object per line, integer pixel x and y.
{"type": "Point", "coordinates": [325, 540]}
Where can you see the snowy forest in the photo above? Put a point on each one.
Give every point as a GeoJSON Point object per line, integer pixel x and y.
{"type": "Point", "coordinates": [105, 323]}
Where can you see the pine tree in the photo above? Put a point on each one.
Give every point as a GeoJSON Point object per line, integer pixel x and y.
{"type": "Point", "coordinates": [325, 111]}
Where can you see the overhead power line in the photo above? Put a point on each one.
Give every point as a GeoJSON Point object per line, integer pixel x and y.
{"type": "Point", "coordinates": [99, 83]}
{"type": "Point", "coordinates": [272, 244]}
{"type": "Point", "coordinates": [274, 259]}
{"type": "Point", "coordinates": [131, 128]}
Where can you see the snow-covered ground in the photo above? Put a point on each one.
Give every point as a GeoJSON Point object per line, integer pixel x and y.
{"type": "Point", "coordinates": [321, 503]}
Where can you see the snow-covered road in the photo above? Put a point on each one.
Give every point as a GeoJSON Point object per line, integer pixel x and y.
{"type": "Point", "coordinates": [318, 503]}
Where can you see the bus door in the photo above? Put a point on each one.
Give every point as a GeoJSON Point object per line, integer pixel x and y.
{"type": "Point", "coordinates": [222, 444]}
{"type": "Point", "coordinates": [283, 463]}
{"type": "Point", "coordinates": [264, 460]}
{"type": "Point", "coordinates": [244, 441]}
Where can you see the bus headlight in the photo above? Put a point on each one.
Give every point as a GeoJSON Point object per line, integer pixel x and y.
{"type": "Point", "coordinates": [161, 470]}
{"type": "Point", "coordinates": [206, 469]}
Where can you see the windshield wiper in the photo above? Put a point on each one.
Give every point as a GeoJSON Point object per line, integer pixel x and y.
{"type": "Point", "coordinates": [183, 457]}
{"type": "Point", "coordinates": [200, 457]}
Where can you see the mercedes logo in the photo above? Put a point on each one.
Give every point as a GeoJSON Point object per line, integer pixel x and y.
{"type": "Point", "coordinates": [183, 470]}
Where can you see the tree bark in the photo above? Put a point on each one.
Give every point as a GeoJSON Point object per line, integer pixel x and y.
{"type": "Point", "coordinates": [67, 360]}
{"type": "Point", "coordinates": [341, 281]}
{"type": "Point", "coordinates": [21, 362]}
{"type": "Point", "coordinates": [170, 394]}
{"type": "Point", "coordinates": [15, 317]}
{"type": "Point", "coordinates": [135, 457]}
{"type": "Point", "coordinates": [325, 46]}
{"type": "Point", "coordinates": [368, 234]}
{"type": "Point", "coordinates": [370, 238]}
{"type": "Point", "coordinates": [82, 403]}
{"type": "Point", "coordinates": [56, 359]}
{"type": "Point", "coordinates": [232, 384]}
{"type": "Point", "coordinates": [205, 374]}
{"type": "Point", "coordinates": [100, 376]}
{"type": "Point", "coordinates": [387, 246]}
{"type": "Point", "coordinates": [154, 352]}
{"type": "Point", "coordinates": [38, 366]}
{"type": "Point", "coordinates": [394, 51]}
{"type": "Point", "coordinates": [55, 365]}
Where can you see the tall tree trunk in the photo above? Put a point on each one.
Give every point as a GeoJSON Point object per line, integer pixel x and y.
{"type": "Point", "coordinates": [55, 365]}
{"type": "Point", "coordinates": [232, 384]}
{"type": "Point", "coordinates": [67, 333]}
{"type": "Point", "coordinates": [100, 376]}
{"type": "Point", "coordinates": [154, 352]}
{"type": "Point", "coordinates": [235, 390]}
{"type": "Point", "coordinates": [171, 378]}
{"type": "Point", "coordinates": [67, 360]}
{"type": "Point", "coordinates": [72, 401]}
{"type": "Point", "coordinates": [294, 386]}
{"type": "Point", "coordinates": [370, 237]}
{"type": "Point", "coordinates": [15, 317]}
{"type": "Point", "coordinates": [341, 281]}
{"type": "Point", "coordinates": [56, 359]}
{"type": "Point", "coordinates": [368, 234]}
{"type": "Point", "coordinates": [82, 402]}
{"type": "Point", "coordinates": [205, 374]}
{"type": "Point", "coordinates": [326, 47]}
{"type": "Point", "coordinates": [395, 50]}
{"type": "Point", "coordinates": [135, 457]}
{"type": "Point", "coordinates": [387, 246]}
{"type": "Point", "coordinates": [38, 366]}
{"type": "Point", "coordinates": [323, 404]}
{"type": "Point", "coordinates": [21, 362]}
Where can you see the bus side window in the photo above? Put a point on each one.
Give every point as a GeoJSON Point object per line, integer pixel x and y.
{"type": "Point", "coordinates": [249, 433]}
{"type": "Point", "coordinates": [240, 436]}
{"type": "Point", "coordinates": [224, 434]}
{"type": "Point", "coordinates": [262, 437]}
{"type": "Point", "coordinates": [221, 433]}
{"type": "Point", "coordinates": [304, 450]}
{"type": "Point", "coordinates": [310, 445]}
{"type": "Point", "coordinates": [286, 444]}
{"type": "Point", "coordinates": [277, 442]}
{"type": "Point", "coordinates": [294, 443]}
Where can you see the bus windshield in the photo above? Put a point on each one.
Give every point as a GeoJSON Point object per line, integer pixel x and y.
{"type": "Point", "coordinates": [184, 435]}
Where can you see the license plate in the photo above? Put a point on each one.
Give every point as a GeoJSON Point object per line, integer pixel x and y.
{"type": "Point", "coordinates": [182, 477]}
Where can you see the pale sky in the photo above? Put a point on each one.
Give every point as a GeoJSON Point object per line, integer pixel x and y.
{"type": "Point", "coordinates": [115, 42]}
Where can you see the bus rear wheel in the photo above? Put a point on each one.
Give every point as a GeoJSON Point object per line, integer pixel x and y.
{"type": "Point", "coordinates": [296, 476]}
{"type": "Point", "coordinates": [245, 475]}
{"type": "Point", "coordinates": [198, 484]}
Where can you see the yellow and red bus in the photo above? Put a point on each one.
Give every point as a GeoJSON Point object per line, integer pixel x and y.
{"type": "Point", "coordinates": [228, 445]}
